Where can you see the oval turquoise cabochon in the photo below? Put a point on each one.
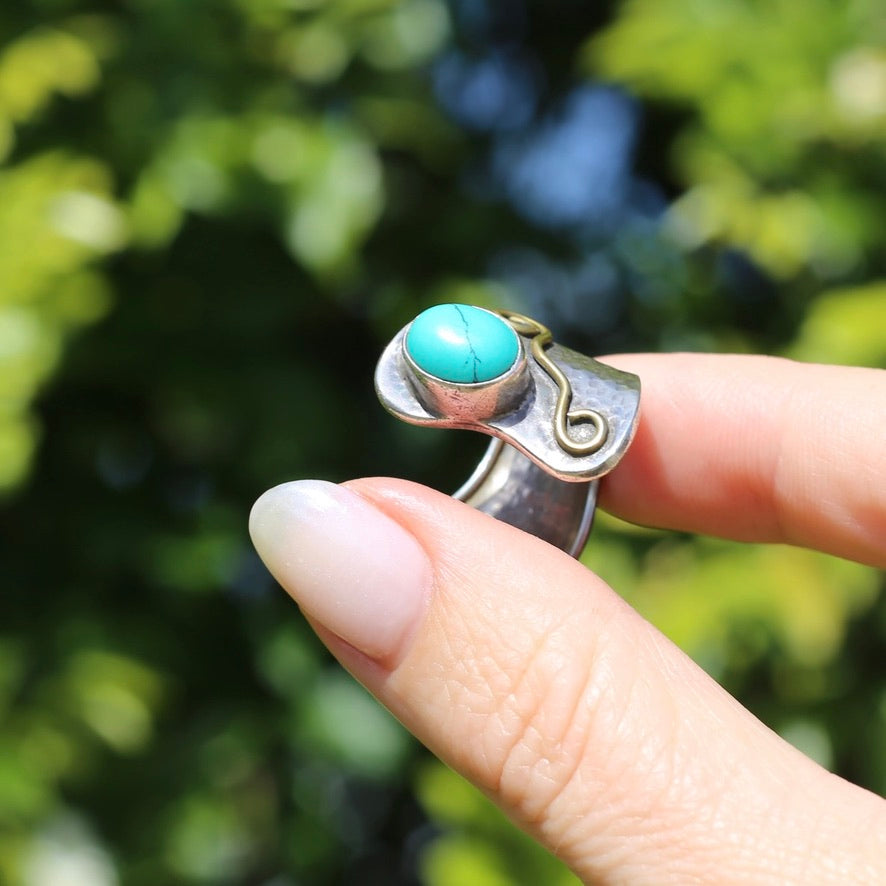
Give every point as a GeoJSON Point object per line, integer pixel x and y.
{"type": "Point", "coordinates": [462, 344]}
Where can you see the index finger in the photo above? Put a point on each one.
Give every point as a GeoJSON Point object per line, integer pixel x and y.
{"type": "Point", "coordinates": [757, 449]}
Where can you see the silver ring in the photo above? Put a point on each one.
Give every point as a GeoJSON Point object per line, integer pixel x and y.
{"type": "Point", "coordinates": [559, 420]}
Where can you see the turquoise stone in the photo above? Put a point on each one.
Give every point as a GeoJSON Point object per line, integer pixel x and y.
{"type": "Point", "coordinates": [462, 344]}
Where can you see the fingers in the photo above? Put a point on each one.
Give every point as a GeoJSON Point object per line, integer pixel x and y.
{"type": "Point", "coordinates": [758, 449]}
{"type": "Point", "coordinates": [527, 674]}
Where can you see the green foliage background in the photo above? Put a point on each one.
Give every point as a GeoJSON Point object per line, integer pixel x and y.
{"type": "Point", "coordinates": [213, 214]}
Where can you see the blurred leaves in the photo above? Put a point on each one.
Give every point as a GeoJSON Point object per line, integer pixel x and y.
{"type": "Point", "coordinates": [56, 217]}
{"type": "Point", "coordinates": [213, 215]}
{"type": "Point", "coordinates": [845, 326]}
{"type": "Point", "coordinates": [341, 722]}
{"type": "Point", "coordinates": [34, 68]}
{"type": "Point", "coordinates": [797, 601]}
{"type": "Point", "coordinates": [325, 180]}
{"type": "Point", "coordinates": [466, 855]}
{"type": "Point", "coordinates": [57, 214]}
{"type": "Point", "coordinates": [787, 99]}
{"type": "Point", "coordinates": [56, 726]}
{"type": "Point", "coordinates": [767, 80]}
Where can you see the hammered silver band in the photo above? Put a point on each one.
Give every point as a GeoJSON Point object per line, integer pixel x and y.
{"type": "Point", "coordinates": [559, 421]}
{"type": "Point", "coordinates": [512, 488]}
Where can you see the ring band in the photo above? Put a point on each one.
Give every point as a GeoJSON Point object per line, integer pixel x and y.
{"type": "Point", "coordinates": [559, 420]}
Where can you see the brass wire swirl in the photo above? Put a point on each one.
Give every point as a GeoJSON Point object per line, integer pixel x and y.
{"type": "Point", "coordinates": [541, 337]}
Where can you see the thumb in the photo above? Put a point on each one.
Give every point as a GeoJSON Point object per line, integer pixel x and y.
{"type": "Point", "coordinates": [526, 673]}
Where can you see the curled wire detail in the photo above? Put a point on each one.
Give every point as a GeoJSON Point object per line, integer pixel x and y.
{"type": "Point", "coordinates": [564, 417]}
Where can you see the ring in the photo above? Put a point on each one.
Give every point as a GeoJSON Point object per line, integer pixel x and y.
{"type": "Point", "coordinates": [559, 420]}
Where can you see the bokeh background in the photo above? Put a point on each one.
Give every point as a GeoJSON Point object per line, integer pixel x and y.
{"type": "Point", "coordinates": [214, 214]}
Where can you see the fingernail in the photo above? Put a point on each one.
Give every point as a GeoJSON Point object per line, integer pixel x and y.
{"type": "Point", "coordinates": [349, 566]}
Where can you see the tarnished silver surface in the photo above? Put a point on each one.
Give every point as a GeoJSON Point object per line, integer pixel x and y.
{"type": "Point", "coordinates": [532, 483]}
{"type": "Point", "coordinates": [528, 427]}
{"type": "Point", "coordinates": [470, 403]}
{"type": "Point", "coordinates": [508, 486]}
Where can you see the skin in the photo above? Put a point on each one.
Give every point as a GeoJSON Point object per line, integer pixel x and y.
{"type": "Point", "coordinates": [526, 673]}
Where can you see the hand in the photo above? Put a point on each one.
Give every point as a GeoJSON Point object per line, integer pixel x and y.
{"type": "Point", "coordinates": [526, 673]}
